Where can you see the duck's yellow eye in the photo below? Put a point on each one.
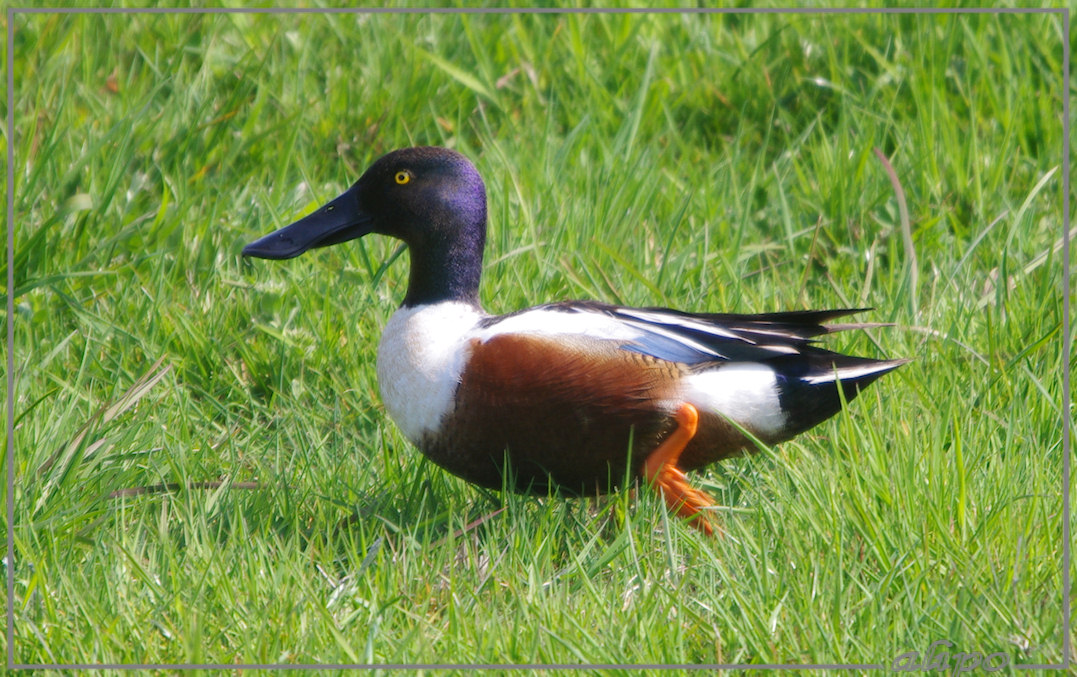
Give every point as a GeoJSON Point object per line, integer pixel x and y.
{"type": "Point", "coordinates": [403, 176]}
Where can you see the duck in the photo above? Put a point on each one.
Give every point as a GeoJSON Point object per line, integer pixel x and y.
{"type": "Point", "coordinates": [570, 397]}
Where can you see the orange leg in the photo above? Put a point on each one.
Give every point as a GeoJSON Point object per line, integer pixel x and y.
{"type": "Point", "coordinates": [660, 469]}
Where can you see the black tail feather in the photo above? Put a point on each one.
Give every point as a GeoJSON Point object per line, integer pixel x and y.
{"type": "Point", "coordinates": [808, 389]}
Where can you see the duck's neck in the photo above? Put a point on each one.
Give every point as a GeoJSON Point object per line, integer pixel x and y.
{"type": "Point", "coordinates": [446, 271]}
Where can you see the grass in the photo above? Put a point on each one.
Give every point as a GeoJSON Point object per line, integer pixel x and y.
{"type": "Point", "coordinates": [710, 163]}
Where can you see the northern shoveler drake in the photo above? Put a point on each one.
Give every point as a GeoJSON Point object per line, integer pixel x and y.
{"type": "Point", "coordinates": [575, 395]}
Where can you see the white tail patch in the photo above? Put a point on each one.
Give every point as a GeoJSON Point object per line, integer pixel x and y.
{"type": "Point", "coordinates": [745, 393]}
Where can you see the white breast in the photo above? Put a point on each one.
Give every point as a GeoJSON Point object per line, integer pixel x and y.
{"type": "Point", "coordinates": [422, 353]}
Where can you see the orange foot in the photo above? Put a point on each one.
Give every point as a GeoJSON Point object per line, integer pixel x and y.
{"type": "Point", "coordinates": [660, 470]}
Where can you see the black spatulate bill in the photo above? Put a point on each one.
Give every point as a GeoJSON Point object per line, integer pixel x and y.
{"type": "Point", "coordinates": [337, 221]}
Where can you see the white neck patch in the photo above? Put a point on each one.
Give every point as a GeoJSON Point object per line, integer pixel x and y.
{"type": "Point", "coordinates": [422, 353]}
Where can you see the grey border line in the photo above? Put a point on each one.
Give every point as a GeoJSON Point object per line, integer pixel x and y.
{"type": "Point", "coordinates": [9, 558]}
{"type": "Point", "coordinates": [1067, 393]}
{"type": "Point", "coordinates": [536, 10]}
{"type": "Point", "coordinates": [450, 666]}
{"type": "Point", "coordinates": [10, 464]}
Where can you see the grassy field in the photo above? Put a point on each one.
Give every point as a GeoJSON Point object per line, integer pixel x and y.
{"type": "Point", "coordinates": [721, 163]}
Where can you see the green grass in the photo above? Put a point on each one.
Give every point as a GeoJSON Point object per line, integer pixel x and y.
{"type": "Point", "coordinates": [718, 163]}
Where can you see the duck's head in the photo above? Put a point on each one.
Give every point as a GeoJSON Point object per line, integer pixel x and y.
{"type": "Point", "coordinates": [431, 198]}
